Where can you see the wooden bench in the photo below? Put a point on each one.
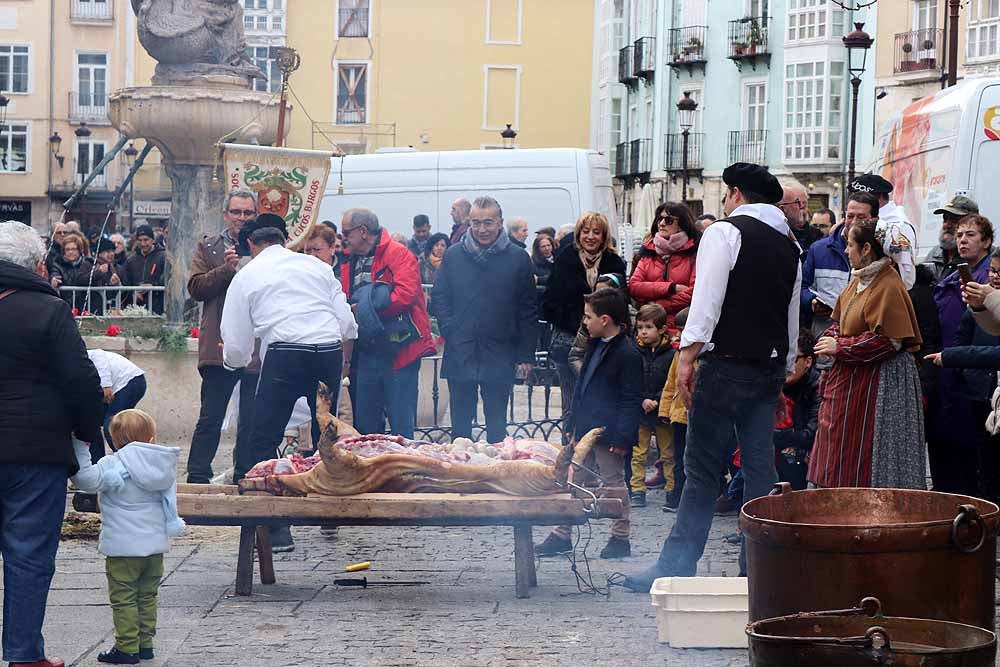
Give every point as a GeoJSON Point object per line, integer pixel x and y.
{"type": "Point", "coordinates": [213, 505]}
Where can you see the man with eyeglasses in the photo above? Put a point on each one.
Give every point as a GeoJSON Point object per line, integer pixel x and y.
{"type": "Point", "coordinates": [213, 268]}
{"type": "Point", "coordinates": [484, 299]}
{"type": "Point", "coordinates": [794, 204]}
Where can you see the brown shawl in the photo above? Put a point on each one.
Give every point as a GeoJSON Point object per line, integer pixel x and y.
{"type": "Point", "coordinates": [884, 307]}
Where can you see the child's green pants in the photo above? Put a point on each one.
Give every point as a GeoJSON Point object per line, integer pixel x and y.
{"type": "Point", "coordinates": [132, 587]}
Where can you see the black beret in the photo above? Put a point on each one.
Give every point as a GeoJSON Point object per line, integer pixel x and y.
{"type": "Point", "coordinates": [105, 244]}
{"type": "Point", "coordinates": [872, 183]}
{"type": "Point", "coordinates": [265, 220]}
{"type": "Point", "coordinates": [754, 178]}
{"type": "Point", "coordinates": [144, 230]}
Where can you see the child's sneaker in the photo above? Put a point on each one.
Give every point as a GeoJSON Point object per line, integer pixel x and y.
{"type": "Point", "coordinates": [637, 499]}
{"type": "Point", "coordinates": [617, 547]}
{"type": "Point", "coordinates": [146, 653]}
{"type": "Point", "coordinates": [116, 657]}
{"type": "Point", "coordinates": [281, 539]}
{"type": "Point", "coordinates": [553, 546]}
{"type": "Point", "coordinates": [672, 502]}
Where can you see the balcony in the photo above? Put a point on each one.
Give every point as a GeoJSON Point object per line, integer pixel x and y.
{"type": "Point", "coordinates": [626, 73]}
{"type": "Point", "coordinates": [92, 11]}
{"type": "Point", "coordinates": [748, 146]}
{"type": "Point", "coordinates": [919, 51]}
{"type": "Point", "coordinates": [89, 107]}
{"type": "Point", "coordinates": [640, 157]}
{"type": "Point", "coordinates": [353, 22]}
{"type": "Point", "coordinates": [100, 181]}
{"type": "Point", "coordinates": [621, 160]}
{"type": "Point", "coordinates": [352, 116]}
{"type": "Point", "coordinates": [644, 57]}
{"type": "Point", "coordinates": [748, 41]}
{"type": "Point", "coordinates": [687, 47]}
{"type": "Point", "coordinates": [674, 157]}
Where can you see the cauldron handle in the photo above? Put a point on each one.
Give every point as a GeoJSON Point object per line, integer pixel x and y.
{"type": "Point", "coordinates": [966, 513]}
{"type": "Point", "coordinates": [780, 489]}
{"type": "Point", "coordinates": [877, 633]}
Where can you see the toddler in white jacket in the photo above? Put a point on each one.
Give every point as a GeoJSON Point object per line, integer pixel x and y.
{"type": "Point", "coordinates": [137, 492]}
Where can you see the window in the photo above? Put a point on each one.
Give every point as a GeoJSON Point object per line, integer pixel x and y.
{"type": "Point", "coordinates": [352, 18]}
{"type": "Point", "coordinates": [248, 23]}
{"type": "Point", "coordinates": [88, 155]}
{"type": "Point", "coordinates": [755, 104]}
{"type": "Point", "coordinates": [92, 79]}
{"type": "Point", "coordinates": [925, 14]}
{"type": "Point", "coordinates": [13, 68]}
{"type": "Point", "coordinates": [503, 21]}
{"type": "Point", "coordinates": [807, 19]}
{"type": "Point", "coordinates": [813, 111]}
{"type": "Point", "coordinates": [14, 148]}
{"type": "Point", "coordinates": [261, 57]}
{"type": "Point", "coordinates": [352, 94]}
{"type": "Point", "coordinates": [277, 24]}
{"type": "Point", "coordinates": [757, 8]}
{"type": "Point", "coordinates": [984, 18]}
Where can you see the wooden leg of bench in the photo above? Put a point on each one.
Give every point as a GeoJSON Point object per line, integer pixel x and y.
{"type": "Point", "coordinates": [264, 556]}
{"type": "Point", "coordinates": [244, 563]}
{"type": "Point", "coordinates": [524, 561]}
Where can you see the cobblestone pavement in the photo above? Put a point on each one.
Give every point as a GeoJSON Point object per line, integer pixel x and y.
{"type": "Point", "coordinates": [466, 613]}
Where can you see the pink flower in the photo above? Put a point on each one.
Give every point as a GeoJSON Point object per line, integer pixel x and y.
{"type": "Point", "coordinates": [76, 312]}
{"type": "Point", "coordinates": [194, 332]}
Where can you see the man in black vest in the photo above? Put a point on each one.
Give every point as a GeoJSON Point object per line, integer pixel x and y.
{"type": "Point", "coordinates": [743, 324]}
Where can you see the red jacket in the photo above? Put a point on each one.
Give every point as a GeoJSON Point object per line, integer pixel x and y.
{"type": "Point", "coordinates": [395, 264]}
{"type": "Point", "coordinates": [653, 281]}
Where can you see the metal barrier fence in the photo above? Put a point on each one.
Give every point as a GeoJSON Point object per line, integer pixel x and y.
{"type": "Point", "coordinates": [112, 299]}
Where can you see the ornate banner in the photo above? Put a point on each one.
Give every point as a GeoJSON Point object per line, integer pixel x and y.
{"type": "Point", "coordinates": [288, 182]}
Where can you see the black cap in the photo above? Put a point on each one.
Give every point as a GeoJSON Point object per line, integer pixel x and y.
{"type": "Point", "coordinates": [144, 230]}
{"type": "Point", "coordinates": [260, 222]}
{"type": "Point", "coordinates": [754, 178]}
{"type": "Point", "coordinates": [105, 244]}
{"type": "Point", "coordinates": [421, 220]}
{"type": "Point", "coordinates": [872, 183]}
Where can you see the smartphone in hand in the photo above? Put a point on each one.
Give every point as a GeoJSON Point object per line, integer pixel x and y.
{"type": "Point", "coordinates": [964, 273]}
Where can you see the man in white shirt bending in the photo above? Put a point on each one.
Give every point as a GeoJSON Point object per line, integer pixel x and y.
{"type": "Point", "coordinates": [124, 385]}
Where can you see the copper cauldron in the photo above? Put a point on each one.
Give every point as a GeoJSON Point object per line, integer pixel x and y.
{"type": "Point", "coordinates": [863, 636]}
{"type": "Point", "coordinates": [923, 554]}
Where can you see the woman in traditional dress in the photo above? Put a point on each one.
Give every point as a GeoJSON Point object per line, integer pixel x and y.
{"type": "Point", "coordinates": [870, 430]}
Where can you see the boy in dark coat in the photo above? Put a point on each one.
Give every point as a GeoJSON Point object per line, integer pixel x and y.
{"type": "Point", "coordinates": [607, 396]}
{"type": "Point", "coordinates": [657, 353]}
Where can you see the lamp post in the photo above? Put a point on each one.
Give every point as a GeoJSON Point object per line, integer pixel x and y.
{"type": "Point", "coordinates": [55, 141]}
{"type": "Point", "coordinates": [685, 118]}
{"type": "Point", "coordinates": [508, 136]}
{"type": "Point", "coordinates": [857, 44]}
{"type": "Point", "coordinates": [130, 154]}
{"type": "Point", "coordinates": [953, 42]}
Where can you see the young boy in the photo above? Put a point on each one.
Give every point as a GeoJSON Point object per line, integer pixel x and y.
{"type": "Point", "coordinates": [607, 395]}
{"type": "Point", "coordinates": [673, 410]}
{"type": "Point", "coordinates": [657, 354]}
{"type": "Point", "coordinates": [137, 492]}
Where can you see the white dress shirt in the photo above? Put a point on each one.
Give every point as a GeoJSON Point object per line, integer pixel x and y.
{"type": "Point", "coordinates": [718, 251]}
{"type": "Point", "coordinates": [283, 297]}
{"type": "Point", "coordinates": [893, 212]}
{"type": "Point", "coordinates": [115, 370]}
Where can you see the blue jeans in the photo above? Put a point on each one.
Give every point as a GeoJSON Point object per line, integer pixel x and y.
{"type": "Point", "coordinates": [32, 504]}
{"type": "Point", "coordinates": [125, 399]}
{"type": "Point", "coordinates": [383, 392]}
{"type": "Point", "coordinates": [728, 394]}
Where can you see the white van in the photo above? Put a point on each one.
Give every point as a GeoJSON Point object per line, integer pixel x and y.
{"type": "Point", "coordinates": [940, 146]}
{"type": "Point", "coordinates": [549, 187]}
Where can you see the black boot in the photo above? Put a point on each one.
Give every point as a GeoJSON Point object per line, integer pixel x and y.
{"type": "Point", "coordinates": [553, 546]}
{"type": "Point", "coordinates": [617, 547]}
{"type": "Point", "coordinates": [116, 657]}
{"type": "Point", "coordinates": [146, 653]}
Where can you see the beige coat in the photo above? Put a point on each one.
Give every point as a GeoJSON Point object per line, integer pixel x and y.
{"type": "Point", "coordinates": [989, 321]}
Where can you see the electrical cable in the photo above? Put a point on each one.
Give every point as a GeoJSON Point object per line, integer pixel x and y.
{"type": "Point", "coordinates": [312, 120]}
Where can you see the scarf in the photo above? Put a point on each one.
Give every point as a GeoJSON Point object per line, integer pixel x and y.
{"type": "Point", "coordinates": [866, 275]}
{"type": "Point", "coordinates": [434, 260]}
{"type": "Point", "coordinates": [666, 246]}
{"type": "Point", "coordinates": [480, 255]}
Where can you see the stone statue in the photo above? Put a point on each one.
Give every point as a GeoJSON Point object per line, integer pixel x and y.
{"type": "Point", "coordinates": [194, 39]}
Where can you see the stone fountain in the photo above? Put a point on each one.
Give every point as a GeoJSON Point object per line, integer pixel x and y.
{"type": "Point", "coordinates": [201, 95]}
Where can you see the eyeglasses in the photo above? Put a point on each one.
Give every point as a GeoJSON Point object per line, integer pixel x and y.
{"type": "Point", "coordinates": [59, 233]}
{"type": "Point", "coordinates": [242, 212]}
{"type": "Point", "coordinates": [482, 224]}
{"type": "Point", "coordinates": [347, 230]}
{"type": "Point", "coordinates": [994, 272]}
{"type": "Point", "coordinates": [797, 204]}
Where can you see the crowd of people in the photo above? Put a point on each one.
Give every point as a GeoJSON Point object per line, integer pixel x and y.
{"type": "Point", "coordinates": [730, 353]}
{"type": "Point", "coordinates": [76, 260]}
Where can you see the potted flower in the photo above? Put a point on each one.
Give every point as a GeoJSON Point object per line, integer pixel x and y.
{"type": "Point", "coordinates": [907, 47]}
{"type": "Point", "coordinates": [928, 45]}
{"type": "Point", "coordinates": [740, 48]}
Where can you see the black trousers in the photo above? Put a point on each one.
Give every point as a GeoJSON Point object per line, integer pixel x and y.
{"type": "Point", "coordinates": [290, 371]}
{"type": "Point", "coordinates": [216, 387]}
{"type": "Point", "coordinates": [464, 399]}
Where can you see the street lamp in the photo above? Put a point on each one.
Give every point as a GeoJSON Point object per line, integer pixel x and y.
{"type": "Point", "coordinates": [508, 136]}
{"type": "Point", "coordinates": [130, 154]}
{"type": "Point", "coordinates": [685, 118]}
{"type": "Point", "coordinates": [83, 131]}
{"type": "Point", "coordinates": [857, 44]}
{"type": "Point", "coordinates": [55, 141]}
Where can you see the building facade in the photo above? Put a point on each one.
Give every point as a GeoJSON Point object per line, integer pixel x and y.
{"type": "Point", "coordinates": [772, 84]}
{"type": "Point", "coordinates": [58, 63]}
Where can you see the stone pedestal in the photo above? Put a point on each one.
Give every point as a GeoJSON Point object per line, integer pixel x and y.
{"type": "Point", "coordinates": [186, 123]}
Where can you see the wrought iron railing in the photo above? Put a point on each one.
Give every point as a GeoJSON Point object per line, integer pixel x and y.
{"type": "Point", "coordinates": [748, 146]}
{"type": "Point", "coordinates": [748, 36]}
{"type": "Point", "coordinates": [89, 107]}
{"type": "Point", "coordinates": [919, 50]}
{"type": "Point", "coordinates": [92, 10]}
{"type": "Point", "coordinates": [351, 116]}
{"type": "Point", "coordinates": [621, 159]}
{"type": "Point", "coordinates": [95, 301]}
{"type": "Point", "coordinates": [687, 45]}
{"type": "Point", "coordinates": [674, 158]}
{"type": "Point", "coordinates": [644, 57]}
{"type": "Point", "coordinates": [640, 156]}
{"type": "Point", "coordinates": [626, 73]}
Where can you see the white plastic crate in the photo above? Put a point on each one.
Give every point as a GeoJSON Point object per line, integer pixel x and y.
{"type": "Point", "coordinates": [701, 612]}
